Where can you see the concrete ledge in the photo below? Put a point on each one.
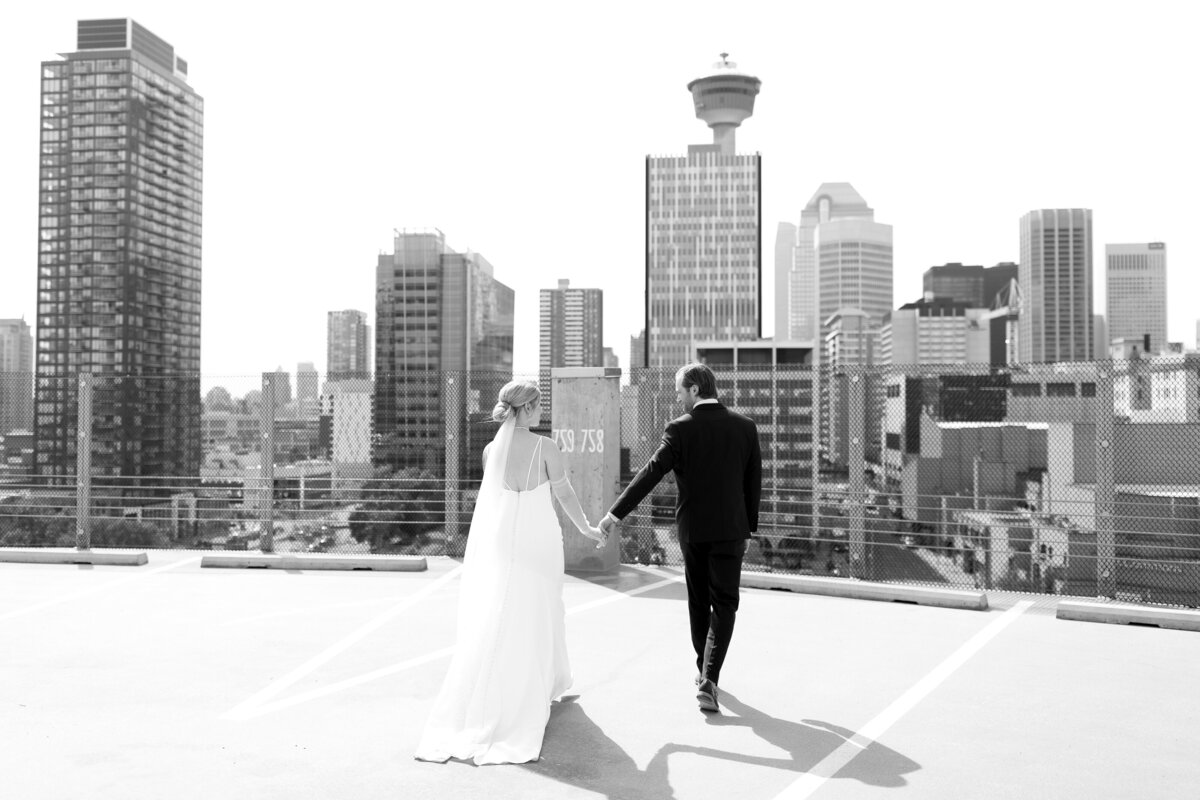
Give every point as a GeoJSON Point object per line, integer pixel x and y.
{"type": "Point", "coordinates": [866, 590]}
{"type": "Point", "coordinates": [69, 555]}
{"type": "Point", "coordinates": [1126, 613]}
{"type": "Point", "coordinates": [315, 561]}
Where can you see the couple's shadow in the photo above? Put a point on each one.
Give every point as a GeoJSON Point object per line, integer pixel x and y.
{"type": "Point", "coordinates": [577, 752]}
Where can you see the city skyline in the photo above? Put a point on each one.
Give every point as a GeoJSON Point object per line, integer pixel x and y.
{"type": "Point", "coordinates": [950, 196]}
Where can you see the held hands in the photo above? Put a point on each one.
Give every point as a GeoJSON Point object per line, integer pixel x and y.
{"type": "Point", "coordinates": [603, 530]}
{"type": "Point", "coordinates": [597, 535]}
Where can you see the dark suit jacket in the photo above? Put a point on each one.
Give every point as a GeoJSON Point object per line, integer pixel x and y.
{"type": "Point", "coordinates": [715, 455]}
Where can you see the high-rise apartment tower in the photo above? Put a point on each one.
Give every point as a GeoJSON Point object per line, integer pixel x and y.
{"type": "Point", "coordinates": [119, 255]}
{"type": "Point", "coordinates": [347, 347]}
{"type": "Point", "coordinates": [571, 333]}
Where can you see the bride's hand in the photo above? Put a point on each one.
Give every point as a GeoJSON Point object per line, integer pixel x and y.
{"type": "Point", "coordinates": [598, 535]}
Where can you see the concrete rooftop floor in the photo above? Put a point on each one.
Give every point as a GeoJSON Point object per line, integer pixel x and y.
{"type": "Point", "coordinates": [172, 681]}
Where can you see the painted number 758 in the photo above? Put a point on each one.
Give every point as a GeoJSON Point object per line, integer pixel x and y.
{"type": "Point", "coordinates": [591, 440]}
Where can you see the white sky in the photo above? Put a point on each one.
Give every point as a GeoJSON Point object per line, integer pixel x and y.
{"type": "Point", "coordinates": [520, 130]}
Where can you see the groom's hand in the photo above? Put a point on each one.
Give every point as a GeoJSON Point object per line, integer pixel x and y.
{"type": "Point", "coordinates": [607, 524]}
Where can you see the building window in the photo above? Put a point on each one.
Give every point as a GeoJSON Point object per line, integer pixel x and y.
{"type": "Point", "coordinates": [1060, 390]}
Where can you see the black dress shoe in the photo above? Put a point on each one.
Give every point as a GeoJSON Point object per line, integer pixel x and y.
{"type": "Point", "coordinates": [706, 694]}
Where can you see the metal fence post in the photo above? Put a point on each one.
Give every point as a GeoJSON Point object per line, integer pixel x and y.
{"type": "Point", "coordinates": [266, 541]}
{"type": "Point", "coordinates": [818, 384]}
{"type": "Point", "coordinates": [83, 463]}
{"type": "Point", "coordinates": [454, 410]}
{"type": "Point", "coordinates": [1106, 540]}
{"type": "Point", "coordinates": [857, 463]}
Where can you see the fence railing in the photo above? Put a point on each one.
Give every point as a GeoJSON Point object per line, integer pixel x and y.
{"type": "Point", "coordinates": [1068, 479]}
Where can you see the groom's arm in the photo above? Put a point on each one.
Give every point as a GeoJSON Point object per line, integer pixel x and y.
{"type": "Point", "coordinates": [662, 462]}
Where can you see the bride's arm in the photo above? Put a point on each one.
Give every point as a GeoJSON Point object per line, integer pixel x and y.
{"type": "Point", "coordinates": [563, 491]}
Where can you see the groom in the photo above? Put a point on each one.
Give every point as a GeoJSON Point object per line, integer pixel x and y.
{"type": "Point", "coordinates": [718, 467]}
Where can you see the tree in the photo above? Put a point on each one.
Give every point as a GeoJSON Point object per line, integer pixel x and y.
{"type": "Point", "coordinates": [30, 526]}
{"type": "Point", "coordinates": [127, 533]}
{"type": "Point", "coordinates": [33, 527]}
{"type": "Point", "coordinates": [399, 512]}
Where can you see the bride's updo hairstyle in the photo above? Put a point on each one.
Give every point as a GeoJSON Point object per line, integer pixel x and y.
{"type": "Point", "coordinates": [513, 396]}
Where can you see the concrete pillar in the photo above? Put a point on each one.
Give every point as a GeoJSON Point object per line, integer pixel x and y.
{"type": "Point", "coordinates": [586, 424]}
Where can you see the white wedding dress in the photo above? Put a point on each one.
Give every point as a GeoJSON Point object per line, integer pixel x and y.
{"type": "Point", "coordinates": [510, 659]}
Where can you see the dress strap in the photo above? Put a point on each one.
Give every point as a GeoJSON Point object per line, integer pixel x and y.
{"type": "Point", "coordinates": [537, 459]}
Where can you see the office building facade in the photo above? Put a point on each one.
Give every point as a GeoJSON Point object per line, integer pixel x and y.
{"type": "Point", "coordinates": [119, 255]}
{"type": "Point", "coordinates": [1136, 293]}
{"type": "Point", "coordinates": [854, 267]}
{"type": "Point", "coordinates": [850, 354]}
{"type": "Point", "coordinates": [935, 330]}
{"type": "Point", "coordinates": [1056, 318]}
{"type": "Point", "coordinates": [16, 376]}
{"type": "Point", "coordinates": [443, 350]}
{"type": "Point", "coordinates": [785, 259]}
{"type": "Point", "coordinates": [958, 282]}
{"type": "Point", "coordinates": [773, 383]}
{"type": "Point", "coordinates": [348, 346]}
{"type": "Point", "coordinates": [807, 311]}
{"type": "Point", "coordinates": [975, 286]}
{"type": "Point", "coordinates": [637, 352]}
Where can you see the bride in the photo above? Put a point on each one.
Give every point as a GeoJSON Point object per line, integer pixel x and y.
{"type": "Point", "coordinates": [510, 660]}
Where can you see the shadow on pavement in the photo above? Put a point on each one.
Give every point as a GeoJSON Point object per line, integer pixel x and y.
{"type": "Point", "coordinates": [808, 742]}
{"type": "Point", "coordinates": [577, 752]}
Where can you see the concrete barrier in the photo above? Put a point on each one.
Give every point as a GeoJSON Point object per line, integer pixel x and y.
{"type": "Point", "coordinates": [1128, 614]}
{"type": "Point", "coordinates": [70, 555]}
{"type": "Point", "coordinates": [974, 600]}
{"type": "Point", "coordinates": [380, 563]}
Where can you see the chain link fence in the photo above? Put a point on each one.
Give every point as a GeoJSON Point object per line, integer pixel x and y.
{"type": "Point", "coordinates": [1077, 479]}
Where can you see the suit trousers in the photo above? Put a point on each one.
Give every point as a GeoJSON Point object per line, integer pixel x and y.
{"type": "Point", "coordinates": [714, 574]}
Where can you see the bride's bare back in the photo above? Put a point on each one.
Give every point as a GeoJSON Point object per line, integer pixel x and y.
{"type": "Point", "coordinates": [531, 461]}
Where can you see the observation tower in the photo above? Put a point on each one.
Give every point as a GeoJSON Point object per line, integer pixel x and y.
{"type": "Point", "coordinates": [724, 97]}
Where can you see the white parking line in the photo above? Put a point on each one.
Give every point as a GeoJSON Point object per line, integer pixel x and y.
{"type": "Point", "coordinates": [257, 706]}
{"type": "Point", "coordinates": [248, 707]}
{"type": "Point", "coordinates": [829, 766]}
{"type": "Point", "coordinates": [291, 612]}
{"type": "Point", "coordinates": [65, 598]}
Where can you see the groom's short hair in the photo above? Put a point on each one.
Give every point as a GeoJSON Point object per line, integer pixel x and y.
{"type": "Point", "coordinates": [698, 375]}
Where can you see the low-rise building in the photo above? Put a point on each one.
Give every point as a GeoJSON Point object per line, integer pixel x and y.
{"type": "Point", "coordinates": [1156, 506]}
